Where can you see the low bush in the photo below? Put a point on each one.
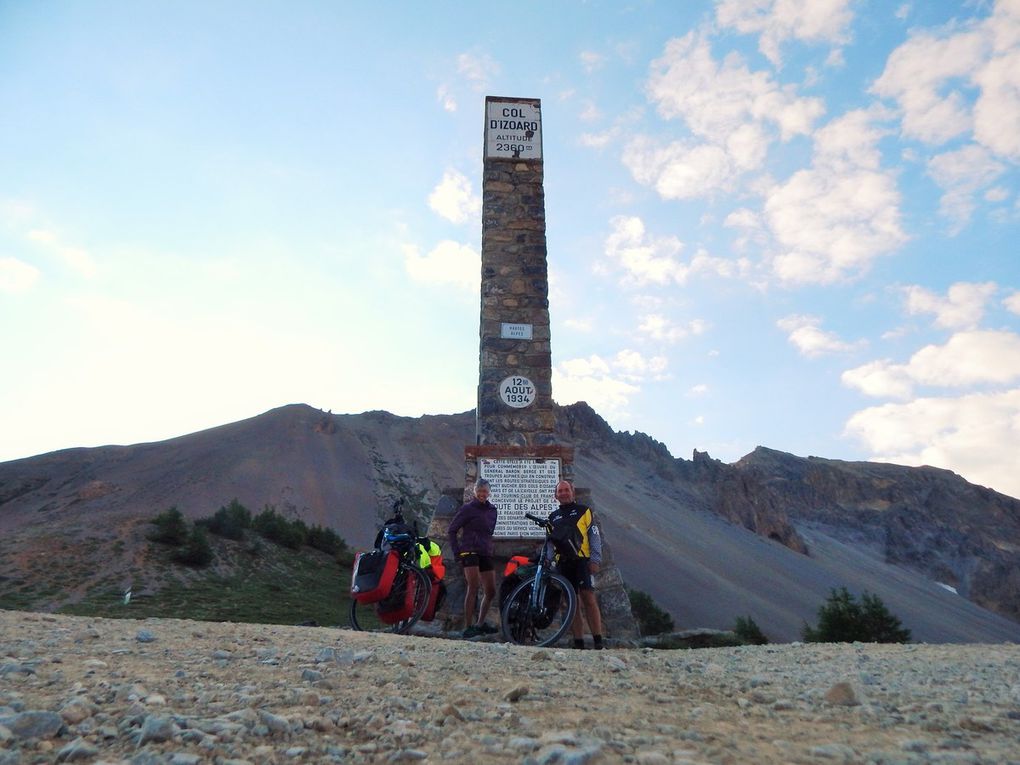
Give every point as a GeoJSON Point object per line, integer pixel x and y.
{"type": "Point", "coordinates": [229, 522]}
{"type": "Point", "coordinates": [196, 551]}
{"type": "Point", "coordinates": [842, 619]}
{"type": "Point", "coordinates": [326, 540]}
{"type": "Point", "coordinates": [276, 528]}
{"type": "Point", "coordinates": [651, 619]}
{"type": "Point", "coordinates": [747, 630]}
{"type": "Point", "coordinates": [171, 528]}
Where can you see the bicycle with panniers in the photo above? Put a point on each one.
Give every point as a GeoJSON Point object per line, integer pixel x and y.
{"type": "Point", "coordinates": [395, 585]}
{"type": "Point", "coordinates": [540, 609]}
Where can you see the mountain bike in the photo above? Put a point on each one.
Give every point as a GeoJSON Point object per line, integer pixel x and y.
{"type": "Point", "coordinates": [398, 536]}
{"type": "Point", "coordinates": [541, 608]}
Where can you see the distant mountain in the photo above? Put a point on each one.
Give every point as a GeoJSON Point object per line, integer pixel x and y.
{"type": "Point", "coordinates": [767, 536]}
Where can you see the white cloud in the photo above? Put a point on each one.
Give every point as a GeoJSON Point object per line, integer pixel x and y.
{"type": "Point", "coordinates": [649, 260]}
{"type": "Point", "coordinates": [679, 170]}
{"type": "Point", "coordinates": [453, 199]}
{"type": "Point", "coordinates": [636, 367]}
{"type": "Point", "coordinates": [836, 59]}
{"type": "Point", "coordinates": [934, 75]}
{"type": "Point", "coordinates": [777, 21]}
{"type": "Point", "coordinates": [732, 112]}
{"type": "Point", "coordinates": [743, 218]}
{"type": "Point", "coordinates": [974, 435]}
{"type": "Point", "coordinates": [962, 174]}
{"type": "Point", "coordinates": [74, 257]}
{"type": "Point", "coordinates": [850, 141]}
{"type": "Point", "coordinates": [715, 99]}
{"type": "Point", "coordinates": [607, 385]}
{"type": "Point", "coordinates": [880, 379]}
{"type": "Point", "coordinates": [903, 11]}
{"type": "Point", "coordinates": [447, 263]}
{"type": "Point", "coordinates": [979, 357]}
{"type": "Point", "coordinates": [961, 308]}
{"type": "Point", "coordinates": [591, 380]}
{"type": "Point", "coordinates": [590, 61]}
{"type": "Point", "coordinates": [17, 275]}
{"type": "Point", "coordinates": [999, 80]}
{"type": "Point", "coordinates": [700, 389]}
{"type": "Point", "coordinates": [475, 70]}
{"type": "Point", "coordinates": [599, 140]}
{"type": "Point", "coordinates": [831, 220]}
{"type": "Point", "coordinates": [1012, 302]}
{"type": "Point", "coordinates": [446, 98]}
{"type": "Point", "coordinates": [830, 225]}
{"type": "Point", "coordinates": [998, 194]}
{"type": "Point", "coordinates": [917, 76]}
{"type": "Point", "coordinates": [660, 328]}
{"type": "Point", "coordinates": [478, 69]}
{"type": "Point", "coordinates": [589, 112]}
{"type": "Point", "coordinates": [644, 259]}
{"type": "Point", "coordinates": [969, 358]}
{"type": "Point", "coordinates": [805, 334]}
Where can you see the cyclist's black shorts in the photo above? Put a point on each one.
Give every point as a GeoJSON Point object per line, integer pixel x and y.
{"type": "Point", "coordinates": [483, 562]}
{"type": "Point", "coordinates": [577, 572]}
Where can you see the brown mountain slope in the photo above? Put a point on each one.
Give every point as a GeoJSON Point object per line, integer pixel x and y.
{"type": "Point", "coordinates": [709, 541]}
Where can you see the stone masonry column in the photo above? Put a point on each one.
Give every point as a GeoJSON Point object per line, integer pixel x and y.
{"type": "Point", "coordinates": [515, 444]}
{"type": "Point", "coordinates": [514, 343]}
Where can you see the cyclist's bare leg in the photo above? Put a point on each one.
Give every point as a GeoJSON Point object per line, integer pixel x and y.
{"type": "Point", "coordinates": [488, 593]}
{"type": "Point", "coordinates": [590, 604]}
{"type": "Point", "coordinates": [577, 624]}
{"type": "Point", "coordinates": [471, 595]}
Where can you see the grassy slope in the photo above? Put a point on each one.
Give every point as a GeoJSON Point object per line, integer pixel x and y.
{"type": "Point", "coordinates": [250, 581]}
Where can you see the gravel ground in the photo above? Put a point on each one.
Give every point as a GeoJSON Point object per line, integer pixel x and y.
{"type": "Point", "coordinates": [178, 692]}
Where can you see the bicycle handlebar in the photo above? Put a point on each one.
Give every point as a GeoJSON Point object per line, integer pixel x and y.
{"type": "Point", "coordinates": [538, 521]}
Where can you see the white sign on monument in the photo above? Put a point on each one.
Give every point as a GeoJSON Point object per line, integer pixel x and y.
{"type": "Point", "coordinates": [513, 130]}
{"type": "Point", "coordinates": [516, 391]}
{"type": "Point", "coordinates": [510, 331]}
{"type": "Point", "coordinates": [517, 487]}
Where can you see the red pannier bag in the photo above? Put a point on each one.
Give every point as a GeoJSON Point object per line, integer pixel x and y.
{"type": "Point", "coordinates": [399, 604]}
{"type": "Point", "coordinates": [436, 597]}
{"type": "Point", "coordinates": [372, 577]}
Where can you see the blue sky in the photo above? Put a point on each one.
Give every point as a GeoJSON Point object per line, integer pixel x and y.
{"type": "Point", "coordinates": [770, 222]}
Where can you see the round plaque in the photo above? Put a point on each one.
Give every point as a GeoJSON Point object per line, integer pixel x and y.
{"type": "Point", "coordinates": [517, 392]}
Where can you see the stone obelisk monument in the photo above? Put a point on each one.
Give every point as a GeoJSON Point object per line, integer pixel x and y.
{"type": "Point", "coordinates": [515, 445]}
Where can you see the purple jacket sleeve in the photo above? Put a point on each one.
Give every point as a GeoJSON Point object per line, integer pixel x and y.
{"type": "Point", "coordinates": [458, 521]}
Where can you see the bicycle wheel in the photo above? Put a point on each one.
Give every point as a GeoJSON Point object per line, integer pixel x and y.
{"type": "Point", "coordinates": [365, 616]}
{"type": "Point", "coordinates": [545, 623]}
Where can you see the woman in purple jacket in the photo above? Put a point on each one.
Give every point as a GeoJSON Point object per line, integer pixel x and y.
{"type": "Point", "coordinates": [475, 523]}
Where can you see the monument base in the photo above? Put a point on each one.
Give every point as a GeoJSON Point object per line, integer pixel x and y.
{"type": "Point", "coordinates": [614, 604]}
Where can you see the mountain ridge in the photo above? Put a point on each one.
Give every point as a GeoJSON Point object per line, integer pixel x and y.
{"type": "Point", "coordinates": [766, 536]}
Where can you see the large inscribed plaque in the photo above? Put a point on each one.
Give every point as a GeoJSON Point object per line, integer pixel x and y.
{"type": "Point", "coordinates": [518, 487]}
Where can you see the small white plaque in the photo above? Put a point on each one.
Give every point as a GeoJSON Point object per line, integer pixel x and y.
{"type": "Point", "coordinates": [518, 487]}
{"type": "Point", "coordinates": [513, 129]}
{"type": "Point", "coordinates": [517, 392]}
{"type": "Point", "coordinates": [515, 331]}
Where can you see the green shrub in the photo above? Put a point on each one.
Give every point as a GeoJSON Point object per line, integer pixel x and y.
{"type": "Point", "coordinates": [841, 619]}
{"type": "Point", "coordinates": [230, 521]}
{"type": "Point", "coordinates": [325, 539]}
{"type": "Point", "coordinates": [747, 630]}
{"type": "Point", "coordinates": [196, 551]}
{"type": "Point", "coordinates": [276, 528]}
{"type": "Point", "coordinates": [651, 619]}
{"type": "Point", "coordinates": [171, 528]}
